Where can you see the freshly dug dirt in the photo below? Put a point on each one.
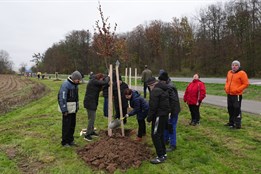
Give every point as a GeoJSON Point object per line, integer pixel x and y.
{"type": "Point", "coordinates": [116, 152]}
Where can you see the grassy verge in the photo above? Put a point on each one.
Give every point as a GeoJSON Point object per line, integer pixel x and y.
{"type": "Point", "coordinates": [251, 93]}
{"type": "Point", "coordinates": [30, 141]}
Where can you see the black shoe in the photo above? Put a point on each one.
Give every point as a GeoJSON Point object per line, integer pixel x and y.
{"type": "Point", "coordinates": [232, 127]}
{"type": "Point", "coordinates": [193, 123]}
{"type": "Point", "coordinates": [66, 145]}
{"type": "Point", "coordinates": [172, 148]}
{"type": "Point", "coordinates": [94, 134]}
{"type": "Point", "coordinates": [158, 160]}
{"type": "Point", "coordinates": [88, 137]}
{"type": "Point", "coordinates": [228, 124]}
{"type": "Point", "coordinates": [72, 143]}
{"type": "Point", "coordinates": [238, 127]}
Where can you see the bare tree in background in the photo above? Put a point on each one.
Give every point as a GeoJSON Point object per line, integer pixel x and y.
{"type": "Point", "coordinates": [5, 63]}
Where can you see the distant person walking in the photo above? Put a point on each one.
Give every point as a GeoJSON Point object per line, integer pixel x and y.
{"type": "Point", "coordinates": [68, 101]}
{"type": "Point", "coordinates": [194, 94]}
{"type": "Point", "coordinates": [236, 83]}
{"type": "Point", "coordinates": [91, 101]}
{"type": "Point", "coordinates": [145, 75]}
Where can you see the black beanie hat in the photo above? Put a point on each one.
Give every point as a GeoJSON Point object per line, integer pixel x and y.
{"type": "Point", "coordinates": [164, 76]}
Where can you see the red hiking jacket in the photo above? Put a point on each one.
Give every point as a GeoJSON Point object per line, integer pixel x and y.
{"type": "Point", "coordinates": [195, 92]}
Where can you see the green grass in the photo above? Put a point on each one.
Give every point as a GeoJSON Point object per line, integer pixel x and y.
{"type": "Point", "coordinates": [251, 93]}
{"type": "Point", "coordinates": [30, 141]}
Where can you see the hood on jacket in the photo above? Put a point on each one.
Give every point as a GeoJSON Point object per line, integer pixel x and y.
{"type": "Point", "coordinates": [162, 86]}
{"type": "Point", "coordinates": [135, 94]}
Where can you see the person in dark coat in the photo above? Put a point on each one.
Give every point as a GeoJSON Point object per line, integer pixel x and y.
{"type": "Point", "coordinates": [170, 135]}
{"type": "Point", "coordinates": [159, 110]}
{"type": "Point", "coordinates": [68, 100]}
{"type": "Point", "coordinates": [105, 92]}
{"type": "Point", "coordinates": [91, 102]}
{"type": "Point", "coordinates": [140, 108]}
{"type": "Point", "coordinates": [124, 101]}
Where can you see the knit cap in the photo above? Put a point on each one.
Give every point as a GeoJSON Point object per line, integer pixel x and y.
{"type": "Point", "coordinates": [164, 76]}
{"type": "Point", "coordinates": [236, 62]}
{"type": "Point", "coordinates": [76, 75]}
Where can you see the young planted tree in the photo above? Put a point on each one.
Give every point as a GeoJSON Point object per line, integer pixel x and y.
{"type": "Point", "coordinates": [104, 39]}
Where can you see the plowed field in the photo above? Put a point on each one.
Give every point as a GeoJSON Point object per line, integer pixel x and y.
{"type": "Point", "coordinates": [16, 91]}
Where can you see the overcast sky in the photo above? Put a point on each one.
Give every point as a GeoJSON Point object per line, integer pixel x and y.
{"type": "Point", "coordinates": [28, 27]}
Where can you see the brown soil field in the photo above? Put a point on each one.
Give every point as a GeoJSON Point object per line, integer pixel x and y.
{"type": "Point", "coordinates": [17, 91]}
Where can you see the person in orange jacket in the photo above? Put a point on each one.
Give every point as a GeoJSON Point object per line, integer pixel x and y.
{"type": "Point", "coordinates": [236, 83]}
{"type": "Point", "coordinates": [193, 96]}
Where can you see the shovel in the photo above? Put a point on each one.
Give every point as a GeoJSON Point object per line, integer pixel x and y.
{"type": "Point", "coordinates": [115, 123]}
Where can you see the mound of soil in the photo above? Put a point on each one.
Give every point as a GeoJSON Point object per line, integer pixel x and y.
{"type": "Point", "coordinates": [116, 152]}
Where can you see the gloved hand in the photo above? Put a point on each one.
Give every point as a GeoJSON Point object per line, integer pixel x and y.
{"type": "Point", "coordinates": [65, 113]}
{"type": "Point", "coordinates": [149, 119]}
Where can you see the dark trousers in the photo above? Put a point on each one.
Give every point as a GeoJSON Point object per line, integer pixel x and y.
{"type": "Point", "coordinates": [194, 111]}
{"type": "Point", "coordinates": [234, 109]}
{"type": "Point", "coordinates": [105, 107]}
{"type": "Point", "coordinates": [68, 127]}
{"type": "Point", "coordinates": [158, 135]}
{"type": "Point", "coordinates": [145, 87]}
{"type": "Point", "coordinates": [142, 128]}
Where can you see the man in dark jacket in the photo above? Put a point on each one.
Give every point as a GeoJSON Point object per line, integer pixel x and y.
{"type": "Point", "coordinates": [170, 132]}
{"type": "Point", "coordinates": [68, 101]}
{"type": "Point", "coordinates": [124, 101]}
{"type": "Point", "coordinates": [159, 110]}
{"type": "Point", "coordinates": [91, 101]}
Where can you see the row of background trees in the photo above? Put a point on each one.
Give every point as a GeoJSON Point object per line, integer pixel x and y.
{"type": "Point", "coordinates": [206, 44]}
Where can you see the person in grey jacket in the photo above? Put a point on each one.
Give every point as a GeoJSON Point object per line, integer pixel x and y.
{"type": "Point", "coordinates": [91, 101]}
{"type": "Point", "coordinates": [68, 101]}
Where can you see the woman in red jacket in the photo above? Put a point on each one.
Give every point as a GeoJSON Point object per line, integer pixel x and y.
{"type": "Point", "coordinates": [194, 94]}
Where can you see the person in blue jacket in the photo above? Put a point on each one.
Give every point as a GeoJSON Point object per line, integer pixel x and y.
{"type": "Point", "coordinates": [68, 100]}
{"type": "Point", "coordinates": [140, 108]}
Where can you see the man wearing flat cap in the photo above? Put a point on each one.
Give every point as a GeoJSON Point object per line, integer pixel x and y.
{"type": "Point", "coordinates": [68, 100]}
{"type": "Point", "coordinates": [236, 83]}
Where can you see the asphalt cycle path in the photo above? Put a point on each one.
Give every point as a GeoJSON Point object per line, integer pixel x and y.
{"type": "Point", "coordinates": [250, 106]}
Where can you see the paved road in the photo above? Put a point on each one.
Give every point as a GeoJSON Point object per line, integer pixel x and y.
{"type": "Point", "coordinates": [213, 80]}
{"type": "Point", "coordinates": [249, 106]}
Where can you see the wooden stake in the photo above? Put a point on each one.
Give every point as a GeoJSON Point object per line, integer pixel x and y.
{"type": "Point", "coordinates": [110, 105]}
{"type": "Point", "coordinates": [135, 80]}
{"type": "Point", "coordinates": [119, 97]}
{"type": "Point", "coordinates": [130, 78]}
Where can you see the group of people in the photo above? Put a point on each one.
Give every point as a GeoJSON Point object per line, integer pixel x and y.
{"type": "Point", "coordinates": [161, 110]}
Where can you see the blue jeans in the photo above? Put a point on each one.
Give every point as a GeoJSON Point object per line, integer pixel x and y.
{"type": "Point", "coordinates": [172, 137]}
